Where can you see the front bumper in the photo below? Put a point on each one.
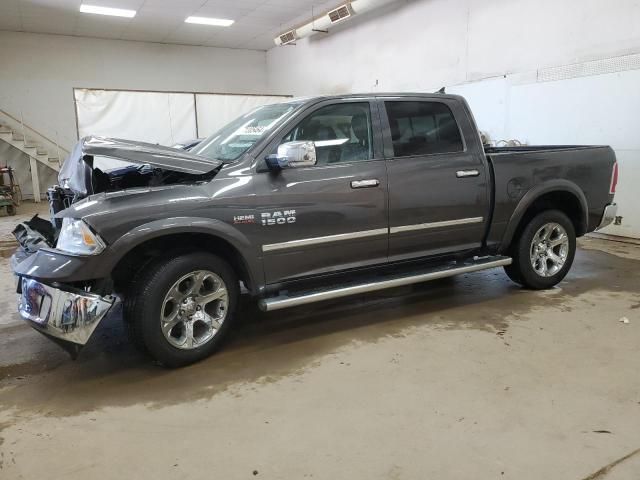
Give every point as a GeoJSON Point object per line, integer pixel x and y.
{"type": "Point", "coordinates": [609, 215]}
{"type": "Point", "coordinates": [68, 317]}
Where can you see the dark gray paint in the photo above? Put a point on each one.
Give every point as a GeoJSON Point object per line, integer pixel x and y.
{"type": "Point", "coordinates": [411, 190]}
{"type": "Point", "coordinates": [421, 190]}
{"type": "Point", "coordinates": [148, 153]}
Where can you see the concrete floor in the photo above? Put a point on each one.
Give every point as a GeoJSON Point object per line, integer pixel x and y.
{"type": "Point", "coordinates": [470, 377]}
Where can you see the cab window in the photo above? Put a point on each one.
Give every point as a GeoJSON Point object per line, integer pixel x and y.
{"type": "Point", "coordinates": [422, 128]}
{"type": "Point", "coordinates": [341, 133]}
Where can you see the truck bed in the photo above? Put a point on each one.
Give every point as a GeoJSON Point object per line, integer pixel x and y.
{"type": "Point", "coordinates": [520, 170]}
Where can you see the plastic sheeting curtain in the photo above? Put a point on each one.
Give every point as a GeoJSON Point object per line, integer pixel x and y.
{"type": "Point", "coordinates": [159, 117]}
{"type": "Point", "coordinates": [154, 117]}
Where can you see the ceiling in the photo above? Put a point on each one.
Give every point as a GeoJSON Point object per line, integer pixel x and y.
{"type": "Point", "coordinates": [257, 22]}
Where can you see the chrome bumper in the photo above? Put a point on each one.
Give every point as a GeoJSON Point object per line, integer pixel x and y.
{"type": "Point", "coordinates": [67, 317]}
{"type": "Point", "coordinates": [609, 215]}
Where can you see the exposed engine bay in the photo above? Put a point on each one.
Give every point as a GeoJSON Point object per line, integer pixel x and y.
{"type": "Point", "coordinates": [145, 165]}
{"type": "Point", "coordinates": [132, 176]}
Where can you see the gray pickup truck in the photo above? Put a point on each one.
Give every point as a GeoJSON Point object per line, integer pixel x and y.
{"type": "Point", "coordinates": [299, 202]}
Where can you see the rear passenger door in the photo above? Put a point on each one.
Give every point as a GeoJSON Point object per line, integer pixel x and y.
{"type": "Point", "coordinates": [438, 184]}
{"type": "Point", "coordinates": [340, 218]}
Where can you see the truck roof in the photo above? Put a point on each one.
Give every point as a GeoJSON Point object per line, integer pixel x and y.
{"type": "Point", "coordinates": [316, 98]}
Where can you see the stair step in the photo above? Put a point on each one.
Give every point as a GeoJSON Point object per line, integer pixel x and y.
{"type": "Point", "coordinates": [18, 137]}
{"type": "Point", "coordinates": [293, 299]}
{"type": "Point", "coordinates": [41, 151]}
{"type": "Point", "coordinates": [53, 159]}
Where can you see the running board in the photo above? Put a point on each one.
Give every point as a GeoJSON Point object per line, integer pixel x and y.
{"type": "Point", "coordinates": [302, 298]}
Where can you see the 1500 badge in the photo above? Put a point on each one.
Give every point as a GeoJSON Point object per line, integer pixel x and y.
{"type": "Point", "coordinates": [279, 217]}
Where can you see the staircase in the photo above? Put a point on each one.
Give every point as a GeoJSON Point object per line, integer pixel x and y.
{"type": "Point", "coordinates": [39, 148]}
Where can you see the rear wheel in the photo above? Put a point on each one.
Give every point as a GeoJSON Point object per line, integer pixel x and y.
{"type": "Point", "coordinates": [181, 309]}
{"type": "Point", "coordinates": [544, 252]}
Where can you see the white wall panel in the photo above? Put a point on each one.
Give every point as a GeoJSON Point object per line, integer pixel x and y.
{"type": "Point", "coordinates": [489, 101]}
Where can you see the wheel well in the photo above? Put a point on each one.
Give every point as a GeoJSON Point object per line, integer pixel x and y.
{"type": "Point", "coordinates": [566, 202]}
{"type": "Point", "coordinates": [173, 244]}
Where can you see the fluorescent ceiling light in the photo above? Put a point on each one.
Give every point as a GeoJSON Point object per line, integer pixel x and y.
{"type": "Point", "coordinates": [115, 12]}
{"type": "Point", "coordinates": [218, 22]}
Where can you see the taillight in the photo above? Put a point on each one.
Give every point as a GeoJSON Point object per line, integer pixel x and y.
{"type": "Point", "coordinates": [614, 179]}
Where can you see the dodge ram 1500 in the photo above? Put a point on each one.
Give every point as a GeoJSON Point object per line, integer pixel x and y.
{"type": "Point", "coordinates": [300, 202]}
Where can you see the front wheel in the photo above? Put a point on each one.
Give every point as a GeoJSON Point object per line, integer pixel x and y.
{"type": "Point", "coordinates": [544, 252]}
{"type": "Point", "coordinates": [180, 309]}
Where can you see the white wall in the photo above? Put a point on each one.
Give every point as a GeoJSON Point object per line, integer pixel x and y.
{"type": "Point", "coordinates": [496, 54]}
{"type": "Point", "coordinates": [39, 72]}
{"type": "Point", "coordinates": [425, 44]}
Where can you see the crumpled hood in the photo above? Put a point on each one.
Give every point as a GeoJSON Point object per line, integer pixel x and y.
{"type": "Point", "coordinates": [75, 174]}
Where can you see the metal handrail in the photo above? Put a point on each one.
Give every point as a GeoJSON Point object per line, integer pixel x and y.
{"type": "Point", "coordinates": [34, 131]}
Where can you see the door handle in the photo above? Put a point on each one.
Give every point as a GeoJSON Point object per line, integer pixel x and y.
{"type": "Point", "coordinates": [371, 182]}
{"type": "Point", "coordinates": [467, 173]}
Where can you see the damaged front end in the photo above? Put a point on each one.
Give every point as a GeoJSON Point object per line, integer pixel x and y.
{"type": "Point", "coordinates": [54, 265]}
{"type": "Point", "coordinates": [67, 317]}
{"type": "Point", "coordinates": [142, 165]}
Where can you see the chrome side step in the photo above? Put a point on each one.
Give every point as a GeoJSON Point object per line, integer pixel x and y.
{"type": "Point", "coordinates": [302, 298]}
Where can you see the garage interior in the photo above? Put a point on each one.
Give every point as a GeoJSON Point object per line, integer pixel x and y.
{"type": "Point", "coordinates": [465, 377]}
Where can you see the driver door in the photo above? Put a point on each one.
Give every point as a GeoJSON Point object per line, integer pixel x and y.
{"type": "Point", "coordinates": [332, 216]}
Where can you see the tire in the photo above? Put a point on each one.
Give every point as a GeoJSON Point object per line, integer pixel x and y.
{"type": "Point", "coordinates": [11, 210]}
{"type": "Point", "coordinates": [166, 294]}
{"type": "Point", "coordinates": [131, 327]}
{"type": "Point", "coordinates": [513, 273]}
{"type": "Point", "coordinates": [544, 251]}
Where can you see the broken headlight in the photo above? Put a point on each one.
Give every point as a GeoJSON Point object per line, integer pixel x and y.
{"type": "Point", "coordinates": [76, 237]}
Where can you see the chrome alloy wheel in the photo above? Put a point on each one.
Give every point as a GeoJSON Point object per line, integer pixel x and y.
{"type": "Point", "coordinates": [194, 309]}
{"type": "Point", "coordinates": [549, 249]}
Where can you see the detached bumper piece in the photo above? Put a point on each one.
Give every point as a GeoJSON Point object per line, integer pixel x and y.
{"type": "Point", "coordinates": [609, 215]}
{"type": "Point", "coordinates": [67, 317]}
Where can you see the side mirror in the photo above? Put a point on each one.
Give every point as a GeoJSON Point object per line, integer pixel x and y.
{"type": "Point", "coordinates": [293, 155]}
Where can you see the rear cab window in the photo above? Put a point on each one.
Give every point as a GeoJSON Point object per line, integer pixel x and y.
{"type": "Point", "coordinates": [422, 128]}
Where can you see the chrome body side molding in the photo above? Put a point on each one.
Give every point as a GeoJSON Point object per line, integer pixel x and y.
{"type": "Point", "coordinates": [445, 223]}
{"type": "Point", "coordinates": [304, 242]}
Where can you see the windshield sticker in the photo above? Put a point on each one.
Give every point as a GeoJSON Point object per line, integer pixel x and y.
{"type": "Point", "coordinates": [240, 145]}
{"type": "Point", "coordinates": [255, 130]}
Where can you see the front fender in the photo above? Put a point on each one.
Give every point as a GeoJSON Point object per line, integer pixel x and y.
{"type": "Point", "coordinates": [177, 225]}
{"type": "Point", "coordinates": [557, 185]}
{"type": "Point", "coordinates": [169, 226]}
{"type": "Point", "coordinates": [54, 265]}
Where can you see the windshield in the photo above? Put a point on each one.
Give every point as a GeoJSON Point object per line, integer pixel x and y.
{"type": "Point", "coordinates": [235, 138]}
